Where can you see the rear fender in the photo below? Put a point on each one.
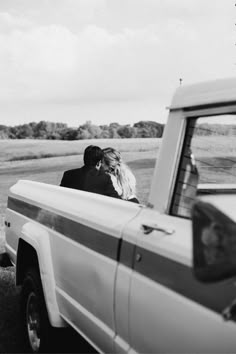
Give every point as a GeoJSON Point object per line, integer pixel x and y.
{"type": "Point", "coordinates": [39, 239]}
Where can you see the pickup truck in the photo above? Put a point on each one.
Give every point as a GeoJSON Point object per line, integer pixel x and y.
{"type": "Point", "coordinates": [129, 278]}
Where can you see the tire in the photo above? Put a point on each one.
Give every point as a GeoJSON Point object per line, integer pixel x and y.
{"type": "Point", "coordinates": [35, 323]}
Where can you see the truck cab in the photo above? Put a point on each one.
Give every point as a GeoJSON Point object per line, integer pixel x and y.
{"type": "Point", "coordinates": [184, 308]}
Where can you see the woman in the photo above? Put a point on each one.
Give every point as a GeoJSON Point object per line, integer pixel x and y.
{"type": "Point", "coordinates": [122, 178]}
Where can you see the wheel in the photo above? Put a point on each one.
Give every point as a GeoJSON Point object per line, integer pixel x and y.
{"type": "Point", "coordinates": [36, 326]}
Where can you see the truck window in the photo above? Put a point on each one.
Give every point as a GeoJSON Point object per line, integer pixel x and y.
{"type": "Point", "coordinates": [208, 160]}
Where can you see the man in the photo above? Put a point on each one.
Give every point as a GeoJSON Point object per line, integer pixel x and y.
{"type": "Point", "coordinates": [91, 177]}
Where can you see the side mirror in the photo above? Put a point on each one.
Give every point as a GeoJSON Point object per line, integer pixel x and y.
{"type": "Point", "coordinates": [214, 243]}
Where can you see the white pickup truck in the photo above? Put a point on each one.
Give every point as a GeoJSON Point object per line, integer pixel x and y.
{"type": "Point", "coordinates": [133, 278]}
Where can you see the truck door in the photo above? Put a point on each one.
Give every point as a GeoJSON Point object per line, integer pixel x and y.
{"type": "Point", "coordinates": [169, 310]}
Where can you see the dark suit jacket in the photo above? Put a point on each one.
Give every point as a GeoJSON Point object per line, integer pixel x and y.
{"type": "Point", "coordinates": [89, 179]}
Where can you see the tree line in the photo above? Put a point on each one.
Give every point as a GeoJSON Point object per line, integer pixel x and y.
{"type": "Point", "coordinates": [61, 131]}
{"type": "Point", "coordinates": [206, 129]}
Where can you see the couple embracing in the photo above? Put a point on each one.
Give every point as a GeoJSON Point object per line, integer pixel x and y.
{"type": "Point", "coordinates": [104, 172]}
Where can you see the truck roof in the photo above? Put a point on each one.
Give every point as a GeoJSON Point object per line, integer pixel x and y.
{"type": "Point", "coordinates": [205, 94]}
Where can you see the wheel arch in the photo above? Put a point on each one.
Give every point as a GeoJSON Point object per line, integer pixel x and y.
{"type": "Point", "coordinates": [34, 250]}
{"type": "Point", "coordinates": [26, 257]}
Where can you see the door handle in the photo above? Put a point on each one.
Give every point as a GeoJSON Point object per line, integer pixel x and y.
{"type": "Point", "coordinates": [8, 224]}
{"type": "Point", "coordinates": [147, 229]}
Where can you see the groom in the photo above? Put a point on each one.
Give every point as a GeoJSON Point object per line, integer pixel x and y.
{"type": "Point", "coordinates": [91, 177]}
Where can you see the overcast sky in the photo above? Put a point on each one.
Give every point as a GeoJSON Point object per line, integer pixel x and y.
{"type": "Point", "coordinates": [108, 60]}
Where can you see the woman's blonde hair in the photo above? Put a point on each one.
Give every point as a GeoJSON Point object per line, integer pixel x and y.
{"type": "Point", "coordinates": [125, 178]}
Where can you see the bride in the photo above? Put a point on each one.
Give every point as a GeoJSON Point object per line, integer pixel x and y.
{"type": "Point", "coordinates": [122, 177]}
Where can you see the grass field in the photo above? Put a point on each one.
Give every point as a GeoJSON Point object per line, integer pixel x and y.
{"type": "Point", "coordinates": [12, 150]}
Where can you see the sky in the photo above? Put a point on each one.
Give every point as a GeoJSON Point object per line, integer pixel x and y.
{"type": "Point", "coordinates": [107, 61]}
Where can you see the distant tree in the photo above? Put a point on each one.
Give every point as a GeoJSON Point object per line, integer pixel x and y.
{"type": "Point", "coordinates": [114, 125]}
{"type": "Point", "coordinates": [33, 126]}
{"type": "Point", "coordinates": [70, 134]}
{"type": "Point", "coordinates": [149, 129]}
{"type": "Point", "coordinates": [104, 127]}
{"type": "Point", "coordinates": [55, 135]}
{"type": "Point", "coordinates": [105, 134]}
{"type": "Point", "coordinates": [143, 132]}
{"type": "Point", "coordinates": [126, 131]}
{"type": "Point", "coordinates": [48, 130]}
{"type": "Point", "coordinates": [83, 134]}
{"type": "Point", "coordinates": [12, 132]}
{"type": "Point", "coordinates": [95, 131]}
{"type": "Point", "coordinates": [55, 130]}
{"type": "Point", "coordinates": [24, 131]}
{"type": "Point", "coordinates": [89, 131]}
{"type": "Point", "coordinates": [40, 131]}
{"type": "Point", "coordinates": [3, 134]}
{"type": "Point", "coordinates": [113, 133]}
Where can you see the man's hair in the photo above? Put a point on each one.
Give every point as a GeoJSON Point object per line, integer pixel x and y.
{"type": "Point", "coordinates": [92, 155]}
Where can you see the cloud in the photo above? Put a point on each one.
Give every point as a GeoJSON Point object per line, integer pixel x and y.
{"type": "Point", "coordinates": [9, 22]}
{"type": "Point", "coordinates": [52, 62]}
